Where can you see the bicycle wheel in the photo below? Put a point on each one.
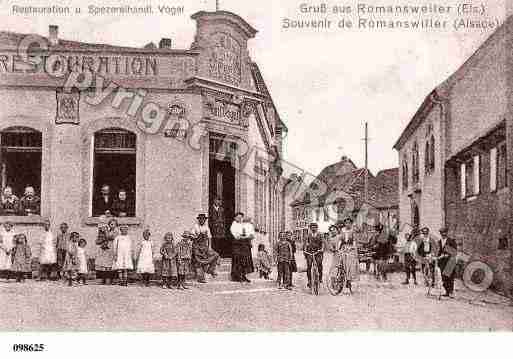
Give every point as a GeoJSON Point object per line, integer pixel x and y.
{"type": "Point", "coordinates": [315, 280]}
{"type": "Point", "coordinates": [336, 280]}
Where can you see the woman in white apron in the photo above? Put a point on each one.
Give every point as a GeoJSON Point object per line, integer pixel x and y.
{"type": "Point", "coordinates": [48, 253]}
{"type": "Point", "coordinates": [6, 246]}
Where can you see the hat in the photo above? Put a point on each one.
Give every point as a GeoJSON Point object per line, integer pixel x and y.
{"type": "Point", "coordinates": [201, 215]}
{"type": "Point", "coordinates": [313, 224]}
{"type": "Point", "coordinates": [188, 234]}
{"type": "Point", "coordinates": [239, 214]}
{"type": "Point", "coordinates": [443, 230]}
{"type": "Point", "coordinates": [424, 229]}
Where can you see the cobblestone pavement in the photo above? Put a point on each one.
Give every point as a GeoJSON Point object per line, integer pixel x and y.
{"type": "Point", "coordinates": [223, 306]}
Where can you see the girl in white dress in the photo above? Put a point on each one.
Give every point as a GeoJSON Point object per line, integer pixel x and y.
{"type": "Point", "coordinates": [145, 266]}
{"type": "Point", "coordinates": [6, 246]}
{"type": "Point", "coordinates": [48, 253]}
{"type": "Point", "coordinates": [82, 261]}
{"type": "Point", "coordinates": [123, 255]}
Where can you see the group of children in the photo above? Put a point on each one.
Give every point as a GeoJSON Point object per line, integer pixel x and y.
{"type": "Point", "coordinates": [66, 255]}
{"type": "Point", "coordinates": [67, 259]}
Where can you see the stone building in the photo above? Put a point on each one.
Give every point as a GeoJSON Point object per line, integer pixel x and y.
{"type": "Point", "coordinates": [468, 187]}
{"type": "Point", "coordinates": [173, 128]}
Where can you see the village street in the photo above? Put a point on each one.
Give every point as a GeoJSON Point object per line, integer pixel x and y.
{"type": "Point", "coordinates": [221, 305]}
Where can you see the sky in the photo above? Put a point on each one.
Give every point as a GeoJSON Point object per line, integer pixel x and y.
{"type": "Point", "coordinates": [325, 83]}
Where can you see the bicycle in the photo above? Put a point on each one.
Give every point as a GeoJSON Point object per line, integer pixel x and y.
{"type": "Point", "coordinates": [314, 273]}
{"type": "Point", "coordinates": [337, 278]}
{"type": "Point", "coordinates": [432, 276]}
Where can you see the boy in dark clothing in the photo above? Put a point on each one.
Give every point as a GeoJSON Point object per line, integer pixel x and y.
{"type": "Point", "coordinates": [284, 256]}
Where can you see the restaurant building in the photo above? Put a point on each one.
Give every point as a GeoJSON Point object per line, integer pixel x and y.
{"type": "Point", "coordinates": [173, 128]}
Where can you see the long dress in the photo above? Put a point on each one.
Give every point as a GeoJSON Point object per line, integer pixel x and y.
{"type": "Point", "coordinates": [349, 254]}
{"type": "Point", "coordinates": [123, 253]}
{"type": "Point", "coordinates": [21, 257]}
{"type": "Point", "coordinates": [82, 260]}
{"type": "Point", "coordinates": [48, 254]}
{"type": "Point", "coordinates": [6, 246]}
{"type": "Point", "coordinates": [145, 258]}
{"type": "Point", "coordinates": [105, 252]}
{"type": "Point", "coordinates": [242, 261]}
{"type": "Point", "coordinates": [216, 222]}
{"type": "Point", "coordinates": [169, 254]}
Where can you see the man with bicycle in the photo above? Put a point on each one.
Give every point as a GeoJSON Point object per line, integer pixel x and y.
{"type": "Point", "coordinates": [313, 243]}
{"type": "Point", "coordinates": [427, 251]}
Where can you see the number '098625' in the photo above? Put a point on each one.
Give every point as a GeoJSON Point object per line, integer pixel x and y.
{"type": "Point", "coordinates": [28, 347]}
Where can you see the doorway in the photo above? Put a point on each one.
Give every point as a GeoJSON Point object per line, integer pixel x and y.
{"type": "Point", "coordinates": [221, 186]}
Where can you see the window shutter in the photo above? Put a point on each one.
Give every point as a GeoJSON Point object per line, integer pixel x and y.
{"type": "Point", "coordinates": [463, 171]}
{"type": "Point", "coordinates": [493, 169]}
{"type": "Point", "coordinates": [476, 174]}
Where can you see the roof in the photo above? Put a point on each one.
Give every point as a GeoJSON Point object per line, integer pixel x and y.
{"type": "Point", "coordinates": [444, 89]}
{"type": "Point", "coordinates": [385, 189]}
{"type": "Point", "coordinates": [13, 39]}
{"type": "Point", "coordinates": [263, 89]}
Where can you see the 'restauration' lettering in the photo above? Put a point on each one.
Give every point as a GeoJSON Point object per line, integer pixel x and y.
{"type": "Point", "coordinates": [107, 65]}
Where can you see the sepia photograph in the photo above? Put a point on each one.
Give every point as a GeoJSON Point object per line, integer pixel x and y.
{"type": "Point", "coordinates": [242, 166]}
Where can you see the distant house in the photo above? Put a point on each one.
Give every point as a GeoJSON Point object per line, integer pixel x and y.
{"type": "Point", "coordinates": [339, 192]}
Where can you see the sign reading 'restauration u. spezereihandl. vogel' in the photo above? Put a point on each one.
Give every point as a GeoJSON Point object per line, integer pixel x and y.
{"type": "Point", "coordinates": [110, 65]}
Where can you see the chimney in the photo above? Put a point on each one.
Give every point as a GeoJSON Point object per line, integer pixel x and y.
{"type": "Point", "coordinates": [53, 35]}
{"type": "Point", "coordinates": [165, 43]}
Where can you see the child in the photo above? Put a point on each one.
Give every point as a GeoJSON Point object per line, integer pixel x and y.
{"type": "Point", "coordinates": [184, 256]}
{"type": "Point", "coordinates": [82, 261]}
{"type": "Point", "coordinates": [71, 260]}
{"type": "Point", "coordinates": [145, 266]}
{"type": "Point", "coordinates": [62, 245]}
{"type": "Point", "coordinates": [21, 256]}
{"type": "Point", "coordinates": [284, 257]}
{"type": "Point", "coordinates": [123, 255]}
{"type": "Point", "coordinates": [263, 262]}
{"type": "Point", "coordinates": [169, 254]}
{"type": "Point", "coordinates": [47, 254]}
{"type": "Point", "coordinates": [6, 246]}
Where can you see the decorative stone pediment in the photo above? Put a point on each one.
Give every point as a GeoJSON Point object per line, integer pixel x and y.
{"type": "Point", "coordinates": [234, 110]}
{"type": "Point", "coordinates": [67, 107]}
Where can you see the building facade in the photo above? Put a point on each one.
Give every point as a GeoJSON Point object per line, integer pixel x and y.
{"type": "Point", "coordinates": [469, 188]}
{"type": "Point", "coordinates": [172, 128]}
{"type": "Point", "coordinates": [421, 167]}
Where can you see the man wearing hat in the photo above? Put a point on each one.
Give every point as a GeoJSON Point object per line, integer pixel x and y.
{"type": "Point", "coordinates": [426, 250]}
{"type": "Point", "coordinates": [314, 242]}
{"type": "Point", "coordinates": [447, 261]}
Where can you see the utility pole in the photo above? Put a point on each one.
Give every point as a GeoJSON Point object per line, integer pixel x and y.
{"type": "Point", "coordinates": [217, 5]}
{"type": "Point", "coordinates": [366, 180]}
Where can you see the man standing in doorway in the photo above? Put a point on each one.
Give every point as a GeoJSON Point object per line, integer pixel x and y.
{"type": "Point", "coordinates": [218, 227]}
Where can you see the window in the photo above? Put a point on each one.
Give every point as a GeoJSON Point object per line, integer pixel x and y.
{"type": "Point", "coordinates": [260, 195]}
{"type": "Point", "coordinates": [470, 183]}
{"type": "Point", "coordinates": [502, 172]}
{"type": "Point", "coordinates": [317, 214]}
{"type": "Point", "coordinates": [114, 172]}
{"type": "Point", "coordinates": [325, 211]}
{"type": "Point", "coordinates": [405, 174]}
{"type": "Point", "coordinates": [463, 183]}
{"type": "Point", "coordinates": [493, 169]}
{"type": "Point", "coordinates": [20, 167]}
{"type": "Point", "coordinates": [427, 152]}
{"type": "Point", "coordinates": [432, 154]}
{"type": "Point", "coordinates": [415, 163]}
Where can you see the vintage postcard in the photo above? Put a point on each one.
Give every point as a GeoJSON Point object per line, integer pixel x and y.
{"type": "Point", "coordinates": [227, 166]}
